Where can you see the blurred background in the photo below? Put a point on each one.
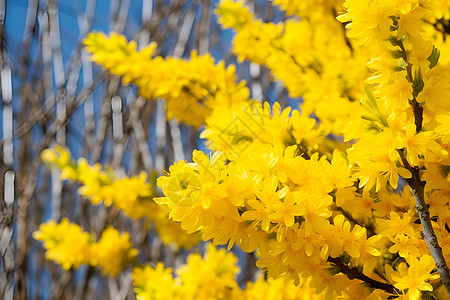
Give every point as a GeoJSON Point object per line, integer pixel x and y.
{"type": "Point", "coordinates": [51, 93]}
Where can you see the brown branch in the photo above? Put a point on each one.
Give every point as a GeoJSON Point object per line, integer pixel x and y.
{"type": "Point", "coordinates": [418, 114]}
{"type": "Point", "coordinates": [417, 188]}
{"type": "Point", "coordinates": [353, 273]}
{"type": "Point", "coordinates": [250, 267]}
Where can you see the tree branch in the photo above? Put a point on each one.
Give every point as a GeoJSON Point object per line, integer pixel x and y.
{"type": "Point", "coordinates": [353, 273]}
{"type": "Point", "coordinates": [417, 188]}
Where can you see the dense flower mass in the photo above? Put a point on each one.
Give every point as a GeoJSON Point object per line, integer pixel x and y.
{"type": "Point", "coordinates": [346, 197]}
{"type": "Point", "coordinates": [211, 277]}
{"type": "Point", "coordinates": [310, 56]}
{"type": "Point", "coordinates": [132, 195]}
{"type": "Point", "coordinates": [290, 195]}
{"type": "Point", "coordinates": [68, 245]}
{"type": "Point", "coordinates": [191, 88]}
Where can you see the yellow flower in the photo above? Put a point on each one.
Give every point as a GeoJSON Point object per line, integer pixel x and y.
{"type": "Point", "coordinates": [443, 128]}
{"type": "Point", "coordinates": [405, 246]}
{"type": "Point", "coordinates": [171, 232]}
{"type": "Point", "coordinates": [93, 180]}
{"type": "Point", "coordinates": [213, 277]}
{"type": "Point", "coordinates": [414, 278]}
{"type": "Point", "coordinates": [420, 53]}
{"type": "Point", "coordinates": [348, 240]}
{"type": "Point", "coordinates": [286, 211]}
{"type": "Point", "coordinates": [397, 225]}
{"type": "Point", "coordinates": [277, 289]}
{"type": "Point", "coordinates": [273, 183]}
{"type": "Point", "coordinates": [435, 90]}
{"type": "Point", "coordinates": [65, 243]}
{"type": "Point", "coordinates": [60, 158]}
{"type": "Point", "coordinates": [154, 283]}
{"type": "Point", "coordinates": [133, 195]}
{"type": "Point", "coordinates": [113, 252]}
{"type": "Point", "coordinates": [369, 19]}
{"type": "Point", "coordinates": [264, 206]}
{"type": "Point", "coordinates": [418, 144]}
{"type": "Point", "coordinates": [191, 88]}
{"type": "Point", "coordinates": [377, 161]}
{"type": "Point", "coordinates": [183, 187]}
{"type": "Point", "coordinates": [232, 14]}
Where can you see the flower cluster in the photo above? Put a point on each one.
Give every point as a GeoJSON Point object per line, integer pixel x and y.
{"type": "Point", "coordinates": [272, 199]}
{"type": "Point", "coordinates": [406, 80]}
{"type": "Point", "coordinates": [191, 88]}
{"type": "Point", "coordinates": [133, 195]}
{"type": "Point", "coordinates": [211, 277]}
{"type": "Point", "coordinates": [310, 56]}
{"type": "Point", "coordinates": [69, 246]}
{"type": "Point", "coordinates": [328, 203]}
{"type": "Point", "coordinates": [233, 130]}
{"type": "Point", "coordinates": [307, 8]}
{"type": "Point", "coordinates": [404, 132]}
{"type": "Point", "coordinates": [268, 187]}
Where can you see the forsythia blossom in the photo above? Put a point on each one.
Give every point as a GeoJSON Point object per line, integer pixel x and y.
{"type": "Point", "coordinates": [211, 277]}
{"type": "Point", "coordinates": [133, 195]}
{"type": "Point", "coordinates": [320, 193]}
{"type": "Point", "coordinates": [191, 88]}
{"type": "Point", "coordinates": [69, 246]}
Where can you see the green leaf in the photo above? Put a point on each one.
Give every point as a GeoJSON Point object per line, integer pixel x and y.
{"type": "Point", "coordinates": [434, 57]}
{"type": "Point", "coordinates": [371, 98]}
{"type": "Point", "coordinates": [373, 127]}
{"type": "Point", "coordinates": [393, 28]}
{"type": "Point", "coordinates": [393, 40]}
{"type": "Point", "coordinates": [368, 106]}
{"type": "Point", "coordinates": [398, 69]}
{"type": "Point", "coordinates": [445, 170]}
{"type": "Point", "coordinates": [418, 83]}
{"type": "Point", "coordinates": [398, 54]}
{"type": "Point", "coordinates": [394, 20]}
{"type": "Point", "coordinates": [369, 118]}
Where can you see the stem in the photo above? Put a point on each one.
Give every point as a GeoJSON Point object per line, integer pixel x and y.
{"type": "Point", "coordinates": [417, 188]}
{"type": "Point", "coordinates": [353, 273]}
{"type": "Point", "coordinates": [418, 114]}
{"type": "Point", "coordinates": [418, 110]}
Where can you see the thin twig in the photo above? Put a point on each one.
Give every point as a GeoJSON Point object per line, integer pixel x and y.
{"type": "Point", "coordinates": [353, 273]}
{"type": "Point", "coordinates": [417, 188]}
